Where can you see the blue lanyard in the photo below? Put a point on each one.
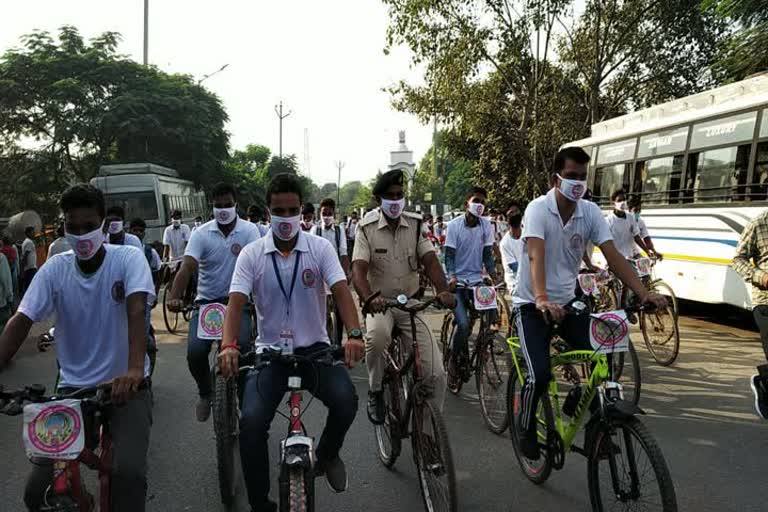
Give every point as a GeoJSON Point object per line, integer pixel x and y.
{"type": "Point", "coordinates": [288, 295]}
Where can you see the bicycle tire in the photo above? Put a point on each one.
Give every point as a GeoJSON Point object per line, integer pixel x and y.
{"type": "Point", "coordinates": [623, 364]}
{"type": "Point", "coordinates": [663, 288]}
{"type": "Point", "coordinates": [452, 378]}
{"type": "Point", "coordinates": [225, 424]}
{"type": "Point", "coordinates": [426, 449]}
{"type": "Point", "coordinates": [663, 358]}
{"type": "Point", "coordinates": [64, 502]}
{"type": "Point", "coordinates": [388, 440]}
{"type": "Point", "coordinates": [505, 315]}
{"type": "Point", "coordinates": [171, 319]}
{"type": "Point", "coordinates": [298, 499]}
{"type": "Point", "coordinates": [537, 475]}
{"type": "Point", "coordinates": [491, 386]}
{"type": "Point", "coordinates": [646, 442]}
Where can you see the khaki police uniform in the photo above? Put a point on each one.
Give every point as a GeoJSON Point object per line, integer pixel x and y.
{"type": "Point", "coordinates": [393, 260]}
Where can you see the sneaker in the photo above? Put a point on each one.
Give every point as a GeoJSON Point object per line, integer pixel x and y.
{"type": "Point", "coordinates": [761, 396]}
{"type": "Point", "coordinates": [335, 473]}
{"type": "Point", "coordinates": [376, 409]}
{"type": "Point", "coordinates": [203, 409]}
{"type": "Point", "coordinates": [529, 445]}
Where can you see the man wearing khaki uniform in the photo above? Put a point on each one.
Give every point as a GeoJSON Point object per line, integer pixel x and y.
{"type": "Point", "coordinates": [389, 247]}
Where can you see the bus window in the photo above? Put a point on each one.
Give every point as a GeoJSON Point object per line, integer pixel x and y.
{"type": "Point", "coordinates": [760, 177]}
{"type": "Point", "coordinates": [608, 179]}
{"type": "Point", "coordinates": [728, 130]}
{"type": "Point", "coordinates": [764, 124]}
{"type": "Point", "coordinates": [717, 175]}
{"type": "Point", "coordinates": [142, 205]}
{"type": "Point", "coordinates": [658, 180]}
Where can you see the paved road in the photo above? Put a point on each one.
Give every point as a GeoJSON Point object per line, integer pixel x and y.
{"type": "Point", "coordinates": [700, 412]}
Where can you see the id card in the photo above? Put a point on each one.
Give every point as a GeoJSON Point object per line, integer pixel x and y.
{"type": "Point", "coordinates": [286, 341]}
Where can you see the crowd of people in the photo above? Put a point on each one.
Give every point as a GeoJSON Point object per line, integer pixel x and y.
{"type": "Point", "coordinates": [277, 268]}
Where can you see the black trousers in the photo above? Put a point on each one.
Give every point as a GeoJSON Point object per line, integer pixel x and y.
{"type": "Point", "coordinates": [761, 319]}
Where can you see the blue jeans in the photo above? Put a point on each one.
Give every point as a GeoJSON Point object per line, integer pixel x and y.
{"type": "Point", "coordinates": [199, 349]}
{"type": "Point", "coordinates": [461, 320]}
{"type": "Point", "coordinates": [262, 394]}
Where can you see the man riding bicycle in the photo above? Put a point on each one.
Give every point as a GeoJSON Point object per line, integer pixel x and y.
{"type": "Point", "coordinates": [212, 252]}
{"type": "Point", "coordinates": [389, 246]}
{"type": "Point", "coordinates": [287, 272]}
{"type": "Point", "coordinates": [115, 223]}
{"type": "Point", "coordinates": [557, 227]}
{"type": "Point", "coordinates": [468, 248]}
{"type": "Point", "coordinates": [98, 294]}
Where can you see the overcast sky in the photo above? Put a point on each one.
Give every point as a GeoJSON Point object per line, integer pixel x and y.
{"type": "Point", "coordinates": [323, 59]}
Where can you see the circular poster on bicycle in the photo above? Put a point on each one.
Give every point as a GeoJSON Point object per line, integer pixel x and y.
{"type": "Point", "coordinates": [210, 323]}
{"type": "Point", "coordinates": [643, 266]}
{"type": "Point", "coordinates": [609, 332]}
{"type": "Point", "coordinates": [54, 430]}
{"type": "Point", "coordinates": [588, 284]}
{"type": "Point", "coordinates": [485, 298]}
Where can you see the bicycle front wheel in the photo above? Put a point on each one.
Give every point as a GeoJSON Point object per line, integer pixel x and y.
{"type": "Point", "coordinates": [298, 491]}
{"type": "Point", "coordinates": [388, 437]}
{"type": "Point", "coordinates": [627, 471]}
{"type": "Point", "coordinates": [225, 425]}
{"type": "Point", "coordinates": [664, 289]}
{"type": "Point", "coordinates": [661, 334]}
{"type": "Point", "coordinates": [433, 458]}
{"type": "Point", "coordinates": [453, 376]}
{"type": "Point", "coordinates": [171, 319]}
{"type": "Point", "coordinates": [491, 377]}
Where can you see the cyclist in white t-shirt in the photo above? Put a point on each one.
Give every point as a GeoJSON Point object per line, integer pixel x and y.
{"type": "Point", "coordinates": [98, 294]}
{"type": "Point", "coordinates": [511, 246]}
{"type": "Point", "coordinates": [623, 226]}
{"type": "Point", "coordinates": [635, 206]}
{"type": "Point", "coordinates": [116, 234]}
{"type": "Point", "coordinates": [175, 238]}
{"type": "Point", "coordinates": [287, 272]}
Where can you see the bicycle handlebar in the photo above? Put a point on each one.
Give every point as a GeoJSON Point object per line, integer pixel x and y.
{"type": "Point", "coordinates": [257, 361]}
{"type": "Point", "coordinates": [11, 402]}
{"type": "Point", "coordinates": [400, 303]}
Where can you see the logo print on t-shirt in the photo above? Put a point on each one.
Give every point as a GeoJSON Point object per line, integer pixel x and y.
{"type": "Point", "coordinates": [577, 242]}
{"type": "Point", "coordinates": [235, 249]}
{"type": "Point", "coordinates": [118, 291]}
{"type": "Point", "coordinates": [308, 278]}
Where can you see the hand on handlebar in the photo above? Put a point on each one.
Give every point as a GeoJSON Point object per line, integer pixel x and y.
{"type": "Point", "coordinates": [553, 313]}
{"type": "Point", "coordinates": [124, 387]}
{"type": "Point", "coordinates": [655, 300]}
{"type": "Point", "coordinates": [452, 284]}
{"type": "Point", "coordinates": [447, 299]}
{"type": "Point", "coordinates": [229, 362]}
{"type": "Point", "coordinates": [377, 305]}
{"type": "Point", "coordinates": [175, 305]}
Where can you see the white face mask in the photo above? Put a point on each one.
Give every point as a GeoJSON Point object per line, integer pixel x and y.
{"type": "Point", "coordinates": [285, 228]}
{"type": "Point", "coordinates": [573, 190]}
{"type": "Point", "coordinates": [176, 222]}
{"type": "Point", "coordinates": [225, 215]}
{"type": "Point", "coordinates": [327, 221]}
{"type": "Point", "coordinates": [476, 209]}
{"type": "Point", "coordinates": [621, 206]}
{"type": "Point", "coordinates": [392, 209]}
{"type": "Point", "coordinates": [198, 223]}
{"type": "Point", "coordinates": [86, 246]}
{"type": "Point", "coordinates": [115, 227]}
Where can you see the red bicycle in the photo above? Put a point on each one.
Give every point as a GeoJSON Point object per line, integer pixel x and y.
{"type": "Point", "coordinates": [56, 429]}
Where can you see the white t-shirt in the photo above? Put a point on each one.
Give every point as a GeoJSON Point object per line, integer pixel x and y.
{"type": "Point", "coordinates": [440, 228]}
{"type": "Point", "coordinates": [129, 240]}
{"type": "Point", "coordinates": [176, 238]}
{"type": "Point", "coordinates": [564, 246]}
{"type": "Point", "coordinates": [154, 259]}
{"type": "Point", "coordinates": [351, 229]}
{"type": "Point", "coordinates": [623, 232]}
{"type": "Point", "coordinates": [91, 313]}
{"type": "Point", "coordinates": [28, 254]}
{"type": "Point", "coordinates": [304, 317]}
{"type": "Point", "coordinates": [643, 228]}
{"type": "Point", "coordinates": [469, 243]}
{"type": "Point", "coordinates": [58, 246]}
{"type": "Point", "coordinates": [216, 255]}
{"type": "Point", "coordinates": [330, 235]}
{"type": "Point", "coordinates": [511, 252]}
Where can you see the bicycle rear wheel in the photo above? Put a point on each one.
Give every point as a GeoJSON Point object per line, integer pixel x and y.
{"type": "Point", "coordinates": [388, 438]}
{"type": "Point", "coordinates": [627, 471]}
{"type": "Point", "coordinates": [664, 289]}
{"type": "Point", "coordinates": [453, 376]}
{"type": "Point", "coordinates": [661, 335]}
{"type": "Point", "coordinates": [225, 426]}
{"type": "Point", "coordinates": [491, 376]}
{"type": "Point", "coordinates": [171, 319]}
{"type": "Point", "coordinates": [433, 458]}
{"type": "Point", "coordinates": [626, 370]}
{"type": "Point", "coordinates": [536, 471]}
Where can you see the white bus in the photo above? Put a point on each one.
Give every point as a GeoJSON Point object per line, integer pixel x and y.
{"type": "Point", "coordinates": [150, 192]}
{"type": "Point", "coordinates": [700, 165]}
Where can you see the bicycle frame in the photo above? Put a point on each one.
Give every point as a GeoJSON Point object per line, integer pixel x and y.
{"type": "Point", "coordinates": [599, 374]}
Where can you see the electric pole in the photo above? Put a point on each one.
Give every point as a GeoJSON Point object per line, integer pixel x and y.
{"type": "Point", "coordinates": [340, 166]}
{"type": "Point", "coordinates": [146, 32]}
{"type": "Point", "coordinates": [281, 116]}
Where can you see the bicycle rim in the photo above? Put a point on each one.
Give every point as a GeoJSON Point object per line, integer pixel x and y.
{"type": "Point", "coordinates": [491, 377]}
{"type": "Point", "coordinates": [433, 458]}
{"type": "Point", "coordinates": [298, 500]}
{"type": "Point", "coordinates": [171, 319]}
{"type": "Point", "coordinates": [387, 438]}
{"type": "Point", "coordinates": [633, 478]}
{"type": "Point", "coordinates": [225, 424]}
{"type": "Point", "coordinates": [664, 289]}
{"type": "Point", "coordinates": [536, 471]}
{"type": "Point", "coordinates": [661, 335]}
{"type": "Point", "coordinates": [453, 376]}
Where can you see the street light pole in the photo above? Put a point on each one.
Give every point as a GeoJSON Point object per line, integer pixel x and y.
{"type": "Point", "coordinates": [206, 77]}
{"type": "Point", "coordinates": [340, 166]}
{"type": "Point", "coordinates": [146, 32]}
{"type": "Point", "coordinates": [280, 116]}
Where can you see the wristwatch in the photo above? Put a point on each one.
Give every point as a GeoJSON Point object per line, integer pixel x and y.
{"type": "Point", "coordinates": [355, 334]}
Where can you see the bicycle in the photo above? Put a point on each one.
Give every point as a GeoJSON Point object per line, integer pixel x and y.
{"type": "Point", "coordinates": [613, 419]}
{"type": "Point", "coordinates": [334, 325]}
{"type": "Point", "coordinates": [83, 426]}
{"type": "Point", "coordinates": [171, 318]}
{"type": "Point", "coordinates": [297, 452]}
{"type": "Point", "coordinates": [406, 395]}
{"type": "Point", "coordinates": [488, 357]}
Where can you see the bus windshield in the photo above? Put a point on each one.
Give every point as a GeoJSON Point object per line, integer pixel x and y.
{"type": "Point", "coordinates": [141, 205]}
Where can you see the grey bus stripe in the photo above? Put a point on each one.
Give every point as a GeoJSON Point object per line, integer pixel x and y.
{"type": "Point", "coordinates": [738, 228]}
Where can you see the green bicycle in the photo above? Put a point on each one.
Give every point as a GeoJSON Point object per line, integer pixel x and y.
{"type": "Point", "coordinates": [625, 467]}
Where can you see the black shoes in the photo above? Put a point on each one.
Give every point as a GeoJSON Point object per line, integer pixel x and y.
{"type": "Point", "coordinates": [335, 472]}
{"type": "Point", "coordinates": [376, 409]}
{"type": "Point", "coordinates": [761, 396]}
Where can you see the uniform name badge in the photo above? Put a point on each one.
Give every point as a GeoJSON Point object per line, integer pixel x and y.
{"type": "Point", "coordinates": [286, 341]}
{"type": "Point", "coordinates": [210, 321]}
{"type": "Point", "coordinates": [54, 430]}
{"type": "Point", "coordinates": [485, 298]}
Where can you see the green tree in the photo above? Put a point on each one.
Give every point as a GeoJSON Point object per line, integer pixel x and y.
{"type": "Point", "coordinates": [746, 51]}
